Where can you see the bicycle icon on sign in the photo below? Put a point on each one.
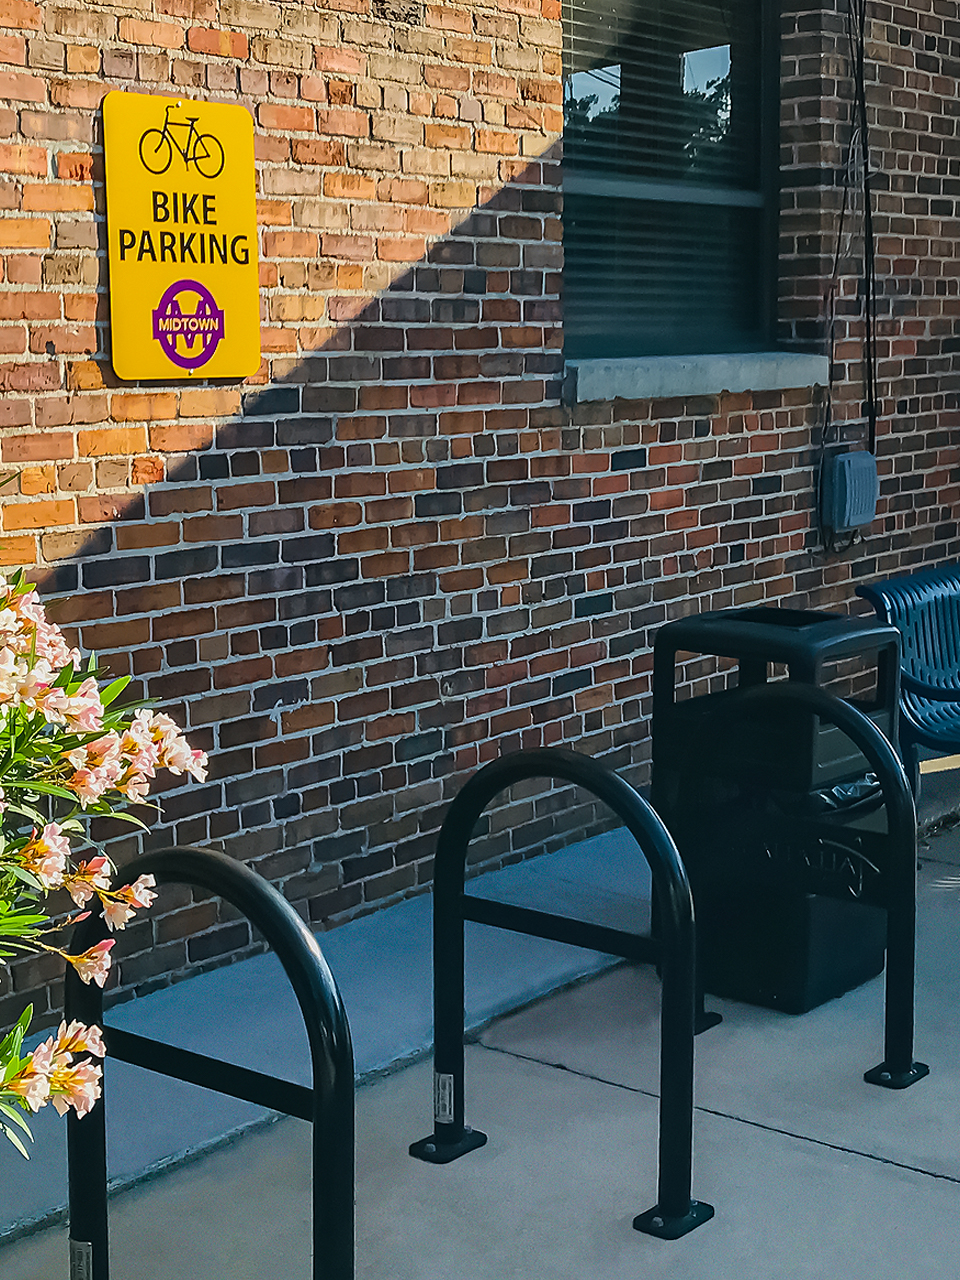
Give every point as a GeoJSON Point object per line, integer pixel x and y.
{"type": "Point", "coordinates": [202, 150]}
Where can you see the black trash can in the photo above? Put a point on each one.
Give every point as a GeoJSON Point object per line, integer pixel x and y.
{"type": "Point", "coordinates": [776, 814]}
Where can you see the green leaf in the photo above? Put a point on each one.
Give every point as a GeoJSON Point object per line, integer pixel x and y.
{"type": "Point", "coordinates": [122, 816]}
{"type": "Point", "coordinates": [9, 1134]}
{"type": "Point", "coordinates": [14, 1039]}
{"type": "Point", "coordinates": [39, 788]}
{"type": "Point", "coordinates": [28, 878]}
{"type": "Point", "coordinates": [13, 1114]}
{"type": "Point", "coordinates": [26, 811]}
{"type": "Point", "coordinates": [20, 924]}
{"type": "Point", "coordinates": [64, 677]}
{"type": "Point", "coordinates": [113, 690]}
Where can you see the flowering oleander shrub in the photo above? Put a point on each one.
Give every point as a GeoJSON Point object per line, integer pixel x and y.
{"type": "Point", "coordinates": [68, 753]}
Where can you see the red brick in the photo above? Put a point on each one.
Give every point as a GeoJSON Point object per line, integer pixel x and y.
{"type": "Point", "coordinates": [289, 119]}
{"type": "Point", "coordinates": [22, 88]}
{"type": "Point", "coordinates": [15, 158]}
{"type": "Point", "coordinates": [21, 14]}
{"type": "Point", "coordinates": [160, 35]}
{"type": "Point", "coordinates": [75, 166]}
{"type": "Point", "coordinates": [25, 233]}
{"type": "Point", "coordinates": [222, 44]}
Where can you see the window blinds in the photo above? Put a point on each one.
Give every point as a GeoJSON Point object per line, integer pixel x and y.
{"type": "Point", "coordinates": [666, 199]}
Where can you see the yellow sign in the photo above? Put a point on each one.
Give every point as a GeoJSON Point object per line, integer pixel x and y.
{"type": "Point", "coordinates": [182, 233]}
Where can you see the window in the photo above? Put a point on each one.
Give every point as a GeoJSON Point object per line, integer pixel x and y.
{"type": "Point", "coordinates": [669, 177]}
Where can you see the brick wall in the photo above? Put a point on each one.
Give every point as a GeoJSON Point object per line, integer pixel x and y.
{"type": "Point", "coordinates": [394, 553]}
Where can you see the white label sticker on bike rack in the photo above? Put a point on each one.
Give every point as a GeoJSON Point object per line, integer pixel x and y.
{"type": "Point", "coordinates": [182, 237]}
{"type": "Point", "coordinates": [443, 1098]}
{"type": "Point", "coordinates": [81, 1260]}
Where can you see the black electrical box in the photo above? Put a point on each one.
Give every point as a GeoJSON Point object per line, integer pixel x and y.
{"type": "Point", "coordinates": [776, 814]}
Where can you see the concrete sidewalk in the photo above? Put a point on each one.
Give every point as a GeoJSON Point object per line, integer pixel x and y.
{"type": "Point", "coordinates": [812, 1172]}
{"type": "Point", "coordinates": [246, 1013]}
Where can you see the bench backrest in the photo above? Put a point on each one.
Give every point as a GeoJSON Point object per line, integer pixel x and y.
{"type": "Point", "coordinates": [925, 609]}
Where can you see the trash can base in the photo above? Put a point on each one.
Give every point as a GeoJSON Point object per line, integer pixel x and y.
{"type": "Point", "coordinates": [434, 1152]}
{"type": "Point", "coordinates": [785, 950]}
{"type": "Point", "coordinates": [655, 1223]}
{"type": "Point", "coordinates": [887, 1079]}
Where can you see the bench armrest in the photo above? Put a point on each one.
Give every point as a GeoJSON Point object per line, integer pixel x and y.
{"type": "Point", "coordinates": [932, 691]}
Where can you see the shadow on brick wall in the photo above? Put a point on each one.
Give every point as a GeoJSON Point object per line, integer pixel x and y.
{"type": "Point", "coordinates": [398, 560]}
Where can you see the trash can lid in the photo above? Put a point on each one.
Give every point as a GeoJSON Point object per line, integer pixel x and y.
{"type": "Point", "coordinates": [808, 636]}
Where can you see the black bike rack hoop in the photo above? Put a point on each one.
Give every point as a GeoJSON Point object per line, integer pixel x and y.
{"type": "Point", "coordinates": [898, 1070]}
{"type": "Point", "coordinates": [675, 1213]}
{"type": "Point", "coordinates": [329, 1104]}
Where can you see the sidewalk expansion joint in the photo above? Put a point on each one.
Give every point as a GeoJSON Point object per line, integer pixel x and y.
{"type": "Point", "coordinates": [728, 1115]}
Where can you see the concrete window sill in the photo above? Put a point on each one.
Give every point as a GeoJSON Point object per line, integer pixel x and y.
{"type": "Point", "coordinates": [665, 377]}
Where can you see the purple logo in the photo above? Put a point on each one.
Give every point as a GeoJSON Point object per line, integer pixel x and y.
{"type": "Point", "coordinates": [179, 331]}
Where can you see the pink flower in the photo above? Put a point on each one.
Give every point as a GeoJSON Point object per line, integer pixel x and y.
{"type": "Point", "coordinates": [175, 754]}
{"type": "Point", "coordinates": [88, 878]}
{"type": "Point", "coordinates": [178, 757]}
{"type": "Point", "coordinates": [135, 786]}
{"type": "Point", "coordinates": [86, 710]}
{"type": "Point", "coordinates": [11, 672]}
{"type": "Point", "coordinates": [161, 726]}
{"type": "Point", "coordinates": [122, 904]}
{"type": "Point", "coordinates": [103, 751]}
{"type": "Point", "coordinates": [30, 1084]}
{"type": "Point", "coordinates": [51, 645]}
{"type": "Point", "coordinates": [54, 704]}
{"type": "Point", "coordinates": [198, 765]}
{"type": "Point", "coordinates": [81, 711]}
{"type": "Point", "coordinates": [141, 891]}
{"type": "Point", "coordinates": [87, 786]}
{"type": "Point", "coordinates": [90, 784]}
{"type": "Point", "coordinates": [42, 1057]}
{"type": "Point", "coordinates": [75, 1086]}
{"type": "Point", "coordinates": [76, 1038]}
{"type": "Point", "coordinates": [46, 856]}
{"type": "Point", "coordinates": [117, 913]}
{"type": "Point", "coordinates": [34, 683]}
{"type": "Point", "coordinates": [94, 965]}
{"type": "Point", "coordinates": [139, 747]}
{"type": "Point", "coordinates": [29, 608]}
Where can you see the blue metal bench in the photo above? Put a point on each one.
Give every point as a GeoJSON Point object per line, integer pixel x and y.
{"type": "Point", "coordinates": [925, 609]}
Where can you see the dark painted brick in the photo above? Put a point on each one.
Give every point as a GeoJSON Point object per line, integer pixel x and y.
{"type": "Point", "coordinates": [307, 604]}
{"type": "Point", "coordinates": [330, 571]}
{"type": "Point", "coordinates": [62, 579]}
{"type": "Point", "coordinates": [270, 581]}
{"type": "Point", "coordinates": [246, 463]}
{"type": "Point", "coordinates": [360, 596]}
{"type": "Point", "coordinates": [214, 466]}
{"type": "Point", "coordinates": [218, 942]}
{"type": "Point", "coordinates": [271, 402]}
{"type": "Point", "coordinates": [305, 431]}
{"type": "Point", "coordinates": [280, 694]}
{"type": "Point", "coordinates": [628, 459]}
{"type": "Point", "coordinates": [239, 555]}
{"type": "Point", "coordinates": [416, 586]}
{"type": "Point", "coordinates": [190, 563]}
{"type": "Point", "coordinates": [462, 475]}
{"type": "Point", "coordinates": [570, 681]}
{"type": "Point", "coordinates": [588, 606]}
{"type": "Point", "coordinates": [116, 571]}
{"type": "Point", "coordinates": [317, 546]}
